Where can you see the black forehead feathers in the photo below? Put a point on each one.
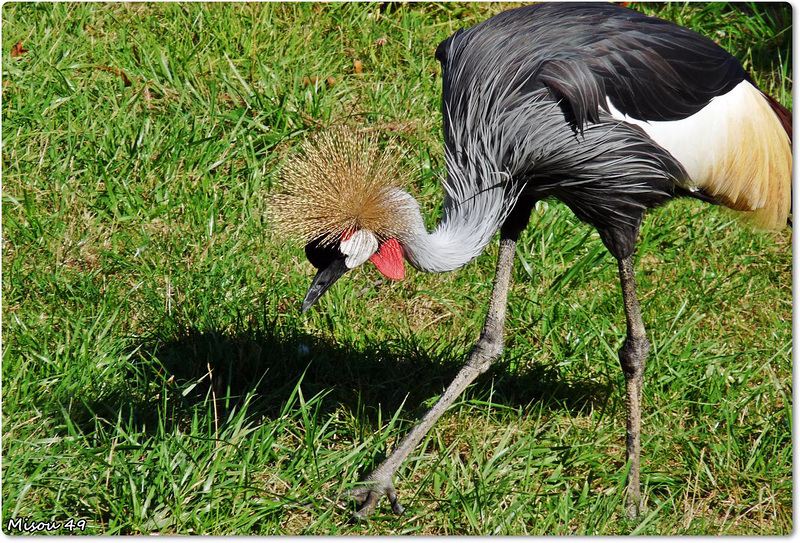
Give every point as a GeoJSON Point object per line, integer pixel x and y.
{"type": "Point", "coordinates": [321, 256]}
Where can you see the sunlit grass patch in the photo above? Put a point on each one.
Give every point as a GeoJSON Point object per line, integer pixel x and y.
{"type": "Point", "coordinates": [158, 376]}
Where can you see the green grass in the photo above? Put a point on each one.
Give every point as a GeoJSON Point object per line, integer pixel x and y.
{"type": "Point", "coordinates": [157, 374]}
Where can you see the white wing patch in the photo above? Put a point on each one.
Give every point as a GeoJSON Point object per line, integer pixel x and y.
{"type": "Point", "coordinates": [734, 149]}
{"type": "Point", "coordinates": [358, 248]}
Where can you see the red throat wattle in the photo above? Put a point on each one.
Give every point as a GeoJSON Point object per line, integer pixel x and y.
{"type": "Point", "coordinates": [389, 260]}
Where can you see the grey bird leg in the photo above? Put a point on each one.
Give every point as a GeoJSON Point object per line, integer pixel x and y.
{"type": "Point", "coordinates": [488, 349]}
{"type": "Point", "coordinates": [632, 359]}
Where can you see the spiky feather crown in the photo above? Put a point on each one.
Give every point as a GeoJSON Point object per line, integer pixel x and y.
{"type": "Point", "coordinates": [340, 182]}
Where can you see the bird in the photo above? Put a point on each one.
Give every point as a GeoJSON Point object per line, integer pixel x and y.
{"type": "Point", "coordinates": [601, 107]}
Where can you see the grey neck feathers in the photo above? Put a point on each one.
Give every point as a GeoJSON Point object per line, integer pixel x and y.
{"type": "Point", "coordinates": [469, 222]}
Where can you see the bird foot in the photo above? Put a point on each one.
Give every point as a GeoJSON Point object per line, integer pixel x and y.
{"type": "Point", "coordinates": [634, 508]}
{"type": "Point", "coordinates": [369, 494]}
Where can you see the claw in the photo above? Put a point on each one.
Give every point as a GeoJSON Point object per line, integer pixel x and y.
{"type": "Point", "coordinates": [397, 507]}
{"type": "Point", "coordinates": [367, 507]}
{"type": "Point", "coordinates": [635, 508]}
{"type": "Point", "coordinates": [368, 496]}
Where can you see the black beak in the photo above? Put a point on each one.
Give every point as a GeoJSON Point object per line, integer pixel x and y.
{"type": "Point", "coordinates": [323, 280]}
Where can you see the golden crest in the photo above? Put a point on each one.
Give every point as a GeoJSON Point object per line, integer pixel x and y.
{"type": "Point", "coordinates": [340, 182]}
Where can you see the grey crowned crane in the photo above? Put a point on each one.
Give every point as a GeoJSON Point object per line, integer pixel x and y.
{"type": "Point", "coordinates": [608, 110]}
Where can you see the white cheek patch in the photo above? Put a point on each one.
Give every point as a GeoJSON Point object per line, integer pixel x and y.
{"type": "Point", "coordinates": [361, 245]}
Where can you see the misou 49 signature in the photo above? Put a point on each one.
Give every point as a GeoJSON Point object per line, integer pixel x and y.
{"type": "Point", "coordinates": [27, 525]}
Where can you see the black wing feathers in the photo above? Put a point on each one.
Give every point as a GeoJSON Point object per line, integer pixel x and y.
{"type": "Point", "coordinates": [650, 69]}
{"type": "Point", "coordinates": [575, 83]}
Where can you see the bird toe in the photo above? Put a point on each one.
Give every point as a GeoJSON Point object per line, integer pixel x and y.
{"type": "Point", "coordinates": [367, 497]}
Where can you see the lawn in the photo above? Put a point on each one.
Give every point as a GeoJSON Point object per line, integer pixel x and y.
{"type": "Point", "coordinates": [158, 376]}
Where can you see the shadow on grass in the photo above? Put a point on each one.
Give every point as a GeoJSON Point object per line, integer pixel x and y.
{"type": "Point", "coordinates": [169, 378]}
{"type": "Point", "coordinates": [777, 43]}
{"type": "Point", "coordinates": [269, 360]}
